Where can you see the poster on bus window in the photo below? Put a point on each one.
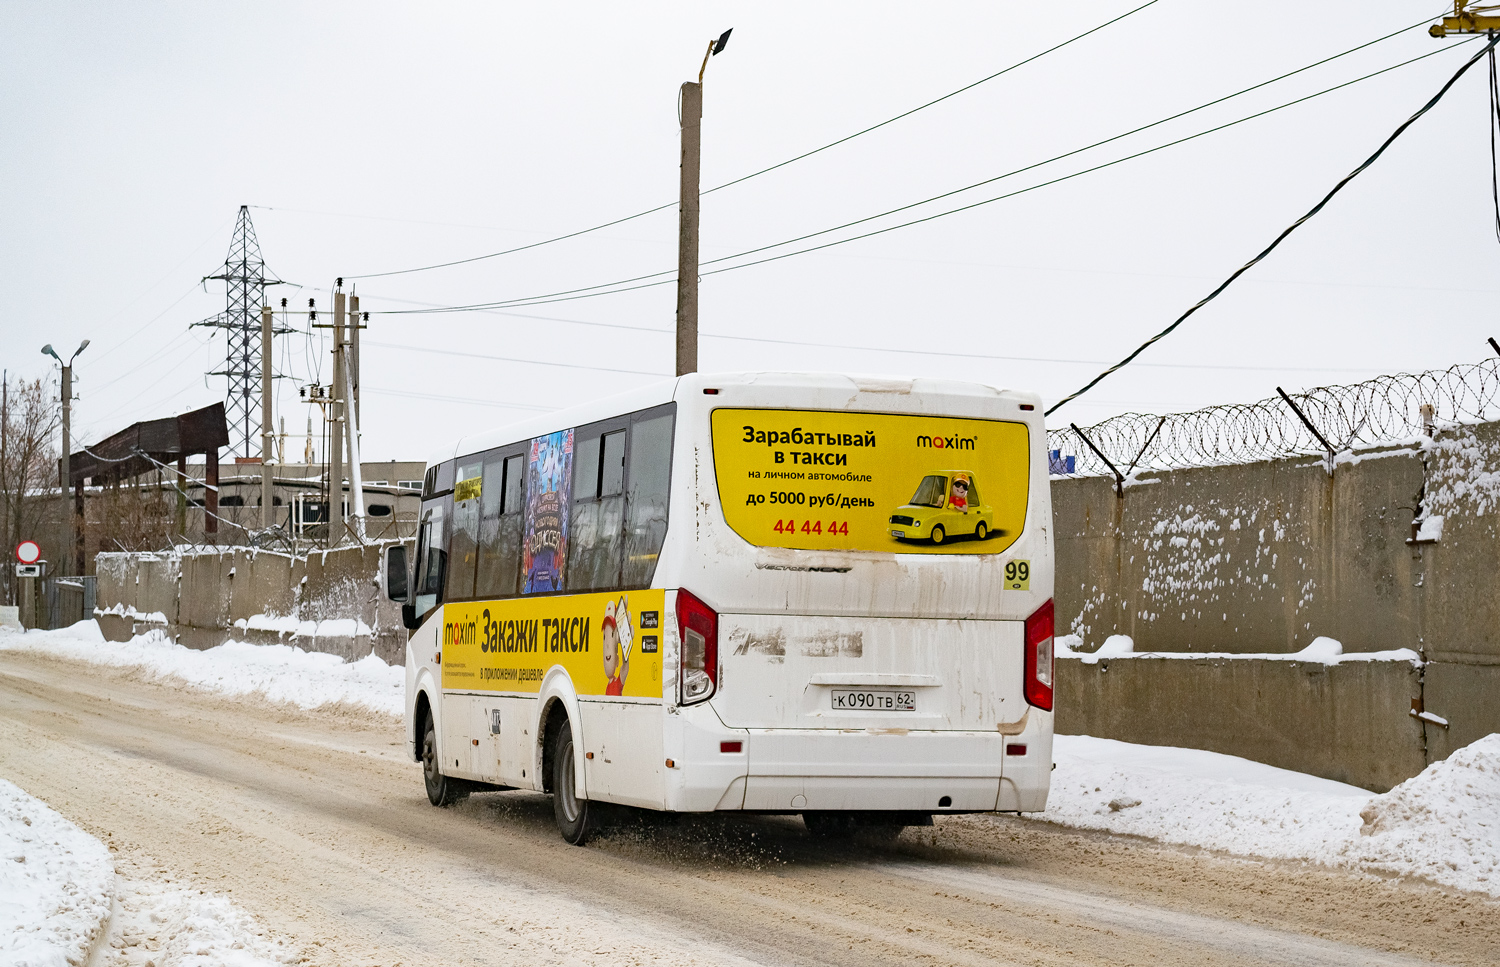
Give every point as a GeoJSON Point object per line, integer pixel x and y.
{"type": "Point", "coordinates": [609, 643]}
{"type": "Point", "coordinates": [549, 484]}
{"type": "Point", "coordinates": [872, 481]}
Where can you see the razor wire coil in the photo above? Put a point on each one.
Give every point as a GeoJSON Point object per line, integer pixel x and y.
{"type": "Point", "coordinates": [1383, 410]}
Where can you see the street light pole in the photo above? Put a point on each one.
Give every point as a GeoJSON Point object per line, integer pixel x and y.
{"type": "Point", "coordinates": [64, 468]}
{"type": "Point", "coordinates": [691, 107]}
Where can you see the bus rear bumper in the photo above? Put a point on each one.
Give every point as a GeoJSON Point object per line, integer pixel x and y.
{"type": "Point", "coordinates": [796, 770]}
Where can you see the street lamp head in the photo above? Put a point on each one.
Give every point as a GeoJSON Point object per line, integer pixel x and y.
{"type": "Point", "coordinates": [49, 351]}
{"type": "Point", "coordinates": [82, 346]}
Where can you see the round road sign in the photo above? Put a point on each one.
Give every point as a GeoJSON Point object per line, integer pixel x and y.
{"type": "Point", "coordinates": [28, 552]}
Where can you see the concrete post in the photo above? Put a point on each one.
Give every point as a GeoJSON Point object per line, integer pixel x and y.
{"type": "Point", "coordinates": [357, 325]}
{"type": "Point", "coordinates": [336, 429]}
{"type": "Point", "coordinates": [687, 231]}
{"type": "Point", "coordinates": [267, 451]}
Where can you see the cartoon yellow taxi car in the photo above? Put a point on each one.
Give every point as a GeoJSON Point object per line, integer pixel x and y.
{"type": "Point", "coordinates": [946, 505]}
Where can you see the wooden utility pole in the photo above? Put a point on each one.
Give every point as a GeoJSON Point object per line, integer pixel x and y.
{"type": "Point", "coordinates": [336, 429]}
{"type": "Point", "coordinates": [266, 436]}
{"type": "Point", "coordinates": [687, 230]}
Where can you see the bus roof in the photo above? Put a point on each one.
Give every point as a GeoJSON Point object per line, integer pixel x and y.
{"type": "Point", "coordinates": [664, 391]}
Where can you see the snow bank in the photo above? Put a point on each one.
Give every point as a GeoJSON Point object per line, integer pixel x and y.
{"type": "Point", "coordinates": [1324, 650]}
{"type": "Point", "coordinates": [56, 885]}
{"type": "Point", "coordinates": [167, 924]}
{"type": "Point", "coordinates": [1442, 825]}
{"type": "Point", "coordinates": [280, 673]}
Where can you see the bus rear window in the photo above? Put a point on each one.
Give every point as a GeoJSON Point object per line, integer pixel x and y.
{"type": "Point", "coordinates": [872, 481]}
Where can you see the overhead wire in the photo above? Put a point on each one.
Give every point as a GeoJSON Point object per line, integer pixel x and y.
{"type": "Point", "coordinates": [1488, 49]}
{"type": "Point", "coordinates": [509, 359]}
{"type": "Point", "coordinates": [1494, 122]}
{"type": "Point", "coordinates": [774, 167]}
{"type": "Point", "coordinates": [639, 282]}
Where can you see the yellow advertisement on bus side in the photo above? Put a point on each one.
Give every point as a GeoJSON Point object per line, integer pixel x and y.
{"type": "Point", "coordinates": [871, 481]}
{"type": "Point", "coordinates": [609, 643]}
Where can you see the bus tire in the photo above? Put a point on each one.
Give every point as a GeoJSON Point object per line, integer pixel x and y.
{"type": "Point", "coordinates": [981, 531]}
{"type": "Point", "coordinates": [441, 790]}
{"type": "Point", "coordinates": [573, 814]}
{"type": "Point", "coordinates": [938, 534]}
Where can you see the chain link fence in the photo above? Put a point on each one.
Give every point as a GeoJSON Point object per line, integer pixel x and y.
{"type": "Point", "coordinates": [1386, 409]}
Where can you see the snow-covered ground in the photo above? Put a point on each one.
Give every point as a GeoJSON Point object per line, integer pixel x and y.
{"type": "Point", "coordinates": [279, 673]}
{"type": "Point", "coordinates": [171, 924]}
{"type": "Point", "coordinates": [56, 884]}
{"type": "Point", "coordinates": [1443, 825]}
{"type": "Point", "coordinates": [63, 904]}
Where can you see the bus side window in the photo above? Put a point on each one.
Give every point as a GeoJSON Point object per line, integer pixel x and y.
{"type": "Point", "coordinates": [464, 546]}
{"type": "Point", "coordinates": [431, 560]}
{"type": "Point", "coordinates": [500, 526]}
{"type": "Point", "coordinates": [646, 498]}
{"type": "Point", "coordinates": [598, 511]}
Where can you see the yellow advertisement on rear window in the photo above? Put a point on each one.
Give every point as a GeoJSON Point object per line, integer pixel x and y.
{"type": "Point", "coordinates": [609, 643]}
{"type": "Point", "coordinates": [870, 481]}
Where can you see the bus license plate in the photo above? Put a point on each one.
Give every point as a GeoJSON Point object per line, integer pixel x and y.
{"type": "Point", "coordinates": [875, 700]}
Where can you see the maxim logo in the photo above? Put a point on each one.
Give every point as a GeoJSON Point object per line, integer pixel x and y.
{"type": "Point", "coordinates": [948, 442]}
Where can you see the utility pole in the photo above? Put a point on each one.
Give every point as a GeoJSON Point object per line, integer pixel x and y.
{"type": "Point", "coordinates": [359, 323]}
{"type": "Point", "coordinates": [691, 110]}
{"type": "Point", "coordinates": [72, 552]}
{"type": "Point", "coordinates": [266, 435]}
{"type": "Point", "coordinates": [351, 419]}
{"type": "Point", "coordinates": [66, 468]}
{"type": "Point", "coordinates": [336, 426]}
{"type": "Point", "coordinates": [687, 230]}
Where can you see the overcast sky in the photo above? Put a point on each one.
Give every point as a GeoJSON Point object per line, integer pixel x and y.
{"type": "Point", "coordinates": [374, 137]}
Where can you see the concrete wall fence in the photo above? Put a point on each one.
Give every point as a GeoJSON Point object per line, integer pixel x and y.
{"type": "Point", "coordinates": [1235, 560]}
{"type": "Point", "coordinates": [329, 601]}
{"type": "Point", "coordinates": [1265, 557]}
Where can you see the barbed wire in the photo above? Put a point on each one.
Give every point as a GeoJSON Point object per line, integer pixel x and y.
{"type": "Point", "coordinates": [1386, 409]}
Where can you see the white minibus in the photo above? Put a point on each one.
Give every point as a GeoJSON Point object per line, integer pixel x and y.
{"type": "Point", "coordinates": [824, 595]}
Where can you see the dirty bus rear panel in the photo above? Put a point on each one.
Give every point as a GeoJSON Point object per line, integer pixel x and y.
{"type": "Point", "coordinates": [877, 560]}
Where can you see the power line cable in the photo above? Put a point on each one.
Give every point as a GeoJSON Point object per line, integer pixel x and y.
{"type": "Point", "coordinates": [1494, 122]}
{"type": "Point", "coordinates": [509, 359]}
{"type": "Point", "coordinates": [779, 164]}
{"type": "Point", "coordinates": [1488, 48]}
{"type": "Point", "coordinates": [624, 285]}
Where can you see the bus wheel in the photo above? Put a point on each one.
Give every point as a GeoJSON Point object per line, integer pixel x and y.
{"type": "Point", "coordinates": [981, 531]}
{"type": "Point", "coordinates": [937, 534]}
{"type": "Point", "coordinates": [829, 825]}
{"type": "Point", "coordinates": [572, 813]}
{"type": "Point", "coordinates": [441, 790]}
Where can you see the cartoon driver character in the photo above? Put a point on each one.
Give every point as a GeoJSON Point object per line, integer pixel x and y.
{"type": "Point", "coordinates": [616, 634]}
{"type": "Point", "coordinates": [958, 499]}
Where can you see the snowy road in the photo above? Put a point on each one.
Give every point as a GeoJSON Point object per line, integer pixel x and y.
{"type": "Point", "coordinates": [315, 824]}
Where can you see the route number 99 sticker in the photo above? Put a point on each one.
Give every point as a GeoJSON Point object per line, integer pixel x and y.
{"type": "Point", "coordinates": [1018, 575]}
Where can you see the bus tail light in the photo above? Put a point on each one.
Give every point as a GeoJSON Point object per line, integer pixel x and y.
{"type": "Point", "coordinates": [698, 630]}
{"type": "Point", "coordinates": [1038, 686]}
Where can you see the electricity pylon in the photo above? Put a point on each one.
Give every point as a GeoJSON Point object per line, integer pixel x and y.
{"type": "Point", "coordinates": [245, 281]}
